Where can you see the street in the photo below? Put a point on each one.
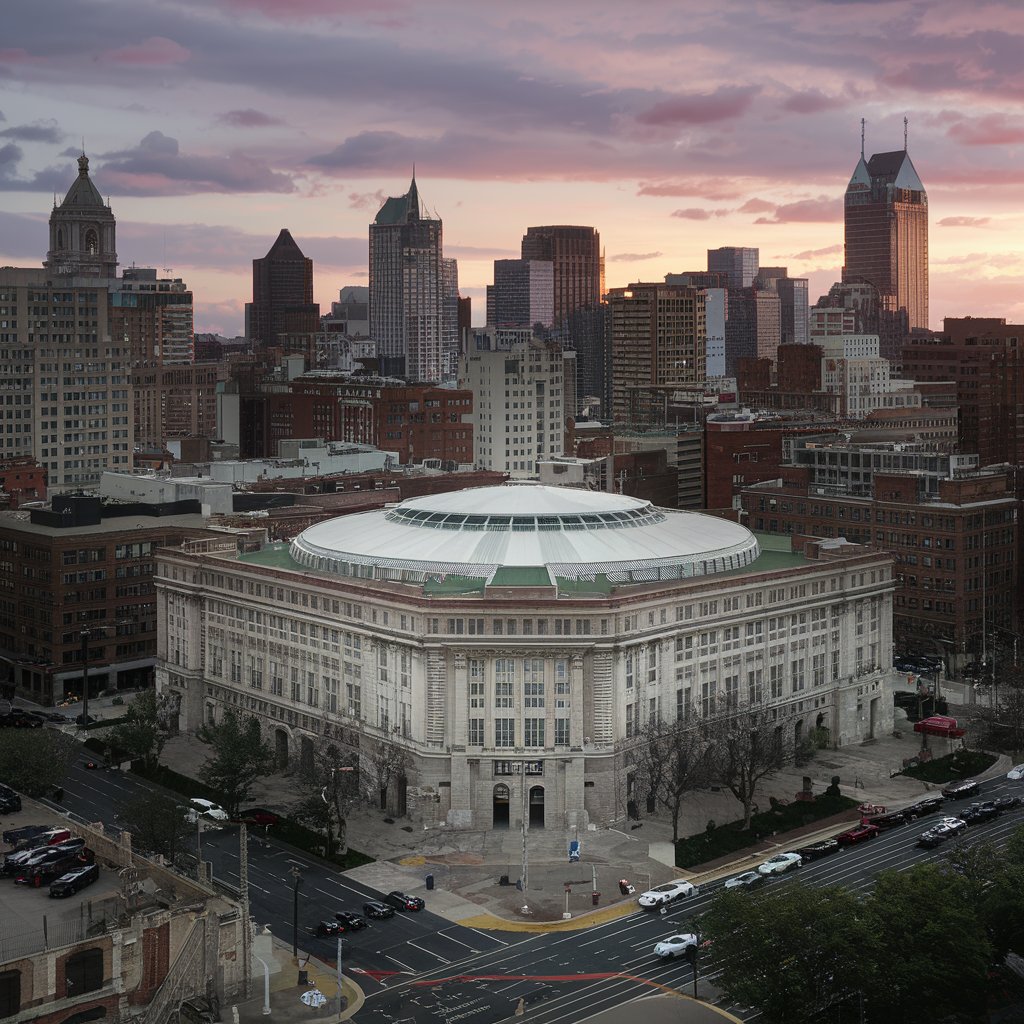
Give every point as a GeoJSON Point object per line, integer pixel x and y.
{"type": "Point", "coordinates": [422, 967]}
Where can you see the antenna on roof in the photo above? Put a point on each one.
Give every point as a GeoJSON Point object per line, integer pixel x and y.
{"type": "Point", "coordinates": [862, 138]}
{"type": "Point", "coordinates": [905, 125]}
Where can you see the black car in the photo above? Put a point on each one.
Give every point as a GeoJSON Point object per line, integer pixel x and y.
{"type": "Point", "coordinates": [10, 803]}
{"type": "Point", "coordinates": [929, 805]}
{"type": "Point", "coordinates": [327, 929]}
{"type": "Point", "coordinates": [376, 909]}
{"type": "Point", "coordinates": [976, 814]}
{"type": "Point", "coordinates": [930, 839]}
{"type": "Point", "coordinates": [890, 819]}
{"type": "Point", "coordinates": [72, 881]}
{"type": "Point", "coordinates": [13, 836]}
{"type": "Point", "coordinates": [45, 837]}
{"type": "Point", "coordinates": [46, 870]}
{"type": "Point", "coordinates": [353, 922]}
{"type": "Point", "coordinates": [819, 849]}
{"type": "Point", "coordinates": [15, 863]}
{"type": "Point", "coordinates": [1007, 803]}
{"type": "Point", "coordinates": [960, 790]}
{"type": "Point", "coordinates": [400, 901]}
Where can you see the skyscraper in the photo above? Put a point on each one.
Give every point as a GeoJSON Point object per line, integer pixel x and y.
{"type": "Point", "coordinates": [740, 264]}
{"type": "Point", "coordinates": [282, 295]}
{"type": "Point", "coordinates": [522, 293]}
{"type": "Point", "coordinates": [575, 257]}
{"type": "Point", "coordinates": [408, 291]}
{"type": "Point", "coordinates": [887, 232]}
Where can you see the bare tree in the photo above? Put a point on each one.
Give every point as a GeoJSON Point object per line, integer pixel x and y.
{"type": "Point", "coordinates": [750, 747]}
{"type": "Point", "coordinates": [674, 758]}
{"type": "Point", "coordinates": [387, 766]}
{"type": "Point", "coordinates": [330, 776]}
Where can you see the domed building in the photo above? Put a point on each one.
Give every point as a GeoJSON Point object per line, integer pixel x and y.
{"type": "Point", "coordinates": [509, 643]}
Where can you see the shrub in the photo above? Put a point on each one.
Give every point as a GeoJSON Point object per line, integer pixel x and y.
{"type": "Point", "coordinates": [961, 764]}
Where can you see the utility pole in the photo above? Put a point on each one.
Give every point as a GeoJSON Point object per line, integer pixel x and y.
{"type": "Point", "coordinates": [526, 866]}
{"type": "Point", "coordinates": [297, 876]}
{"type": "Point", "coordinates": [243, 896]}
{"type": "Point", "coordinates": [340, 1001]}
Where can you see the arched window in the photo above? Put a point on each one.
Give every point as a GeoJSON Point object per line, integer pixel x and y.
{"type": "Point", "coordinates": [60, 238]}
{"type": "Point", "coordinates": [83, 972]}
{"type": "Point", "coordinates": [92, 243]}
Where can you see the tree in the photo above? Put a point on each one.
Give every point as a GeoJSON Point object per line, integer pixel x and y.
{"type": "Point", "coordinates": [796, 953]}
{"type": "Point", "coordinates": [331, 778]}
{"type": "Point", "coordinates": [1001, 726]}
{"type": "Point", "coordinates": [926, 927]}
{"type": "Point", "coordinates": [145, 729]}
{"type": "Point", "coordinates": [672, 760]}
{"type": "Point", "coordinates": [387, 765]}
{"type": "Point", "coordinates": [238, 758]}
{"type": "Point", "coordinates": [749, 748]}
{"type": "Point", "coordinates": [33, 761]}
{"type": "Point", "coordinates": [156, 823]}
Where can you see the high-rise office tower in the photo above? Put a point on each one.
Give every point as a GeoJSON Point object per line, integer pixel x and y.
{"type": "Point", "coordinates": [658, 340]}
{"type": "Point", "coordinates": [522, 293]}
{"type": "Point", "coordinates": [282, 295]}
{"type": "Point", "coordinates": [66, 372]}
{"type": "Point", "coordinates": [887, 232]}
{"type": "Point", "coordinates": [449, 318]}
{"type": "Point", "coordinates": [741, 265]}
{"type": "Point", "coordinates": [155, 316]}
{"type": "Point", "coordinates": [793, 303]}
{"type": "Point", "coordinates": [576, 265]}
{"type": "Point", "coordinates": [407, 289]}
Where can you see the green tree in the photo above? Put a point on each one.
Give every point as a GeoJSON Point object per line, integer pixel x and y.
{"type": "Point", "coordinates": [156, 823]}
{"type": "Point", "coordinates": [750, 747]}
{"type": "Point", "coordinates": [33, 761]}
{"type": "Point", "coordinates": [331, 780]}
{"type": "Point", "coordinates": [239, 756]}
{"type": "Point", "coordinates": [926, 928]}
{"type": "Point", "coordinates": [145, 728]}
{"type": "Point", "coordinates": [796, 952]}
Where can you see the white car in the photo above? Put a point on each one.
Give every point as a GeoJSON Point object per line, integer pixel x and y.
{"type": "Point", "coordinates": [1016, 773]}
{"type": "Point", "coordinates": [676, 945]}
{"type": "Point", "coordinates": [780, 863]}
{"type": "Point", "coordinates": [748, 880]}
{"type": "Point", "coordinates": [663, 895]}
{"type": "Point", "coordinates": [207, 808]}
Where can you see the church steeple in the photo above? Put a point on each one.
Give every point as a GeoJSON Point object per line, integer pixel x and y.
{"type": "Point", "coordinates": [83, 231]}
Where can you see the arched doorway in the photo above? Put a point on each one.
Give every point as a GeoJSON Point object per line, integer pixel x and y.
{"type": "Point", "coordinates": [281, 749]}
{"type": "Point", "coordinates": [798, 731]}
{"type": "Point", "coordinates": [537, 807]}
{"type": "Point", "coordinates": [500, 812]}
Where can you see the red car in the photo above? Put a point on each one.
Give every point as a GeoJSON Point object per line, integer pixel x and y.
{"type": "Point", "coordinates": [258, 816]}
{"type": "Point", "coordinates": [857, 834]}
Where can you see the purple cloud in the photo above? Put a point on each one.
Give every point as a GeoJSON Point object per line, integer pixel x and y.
{"type": "Point", "coordinates": [812, 101]}
{"type": "Point", "coordinates": [824, 209]}
{"type": "Point", "coordinates": [724, 104]}
{"type": "Point", "coordinates": [633, 257]}
{"type": "Point", "coordinates": [39, 131]}
{"type": "Point", "coordinates": [990, 130]}
{"type": "Point", "coordinates": [698, 213]}
{"type": "Point", "coordinates": [757, 206]}
{"type": "Point", "coordinates": [156, 51]}
{"type": "Point", "coordinates": [248, 118]}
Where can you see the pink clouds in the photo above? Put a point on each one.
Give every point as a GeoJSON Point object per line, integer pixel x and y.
{"type": "Point", "coordinates": [813, 254]}
{"type": "Point", "coordinates": [964, 222]}
{"type": "Point", "coordinates": [712, 189]}
{"type": "Point", "coordinates": [156, 51]}
{"type": "Point", "coordinates": [824, 209]}
{"type": "Point", "coordinates": [248, 118]}
{"type": "Point", "coordinates": [724, 104]}
{"type": "Point", "coordinates": [990, 130]}
{"type": "Point", "coordinates": [698, 213]}
{"type": "Point", "coordinates": [812, 101]}
{"type": "Point", "coordinates": [757, 206]}
{"type": "Point", "coordinates": [633, 257]}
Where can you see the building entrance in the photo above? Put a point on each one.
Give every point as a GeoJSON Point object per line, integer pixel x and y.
{"type": "Point", "coordinates": [500, 816]}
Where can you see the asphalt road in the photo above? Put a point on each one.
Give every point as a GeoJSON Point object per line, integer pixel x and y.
{"type": "Point", "coordinates": [421, 967]}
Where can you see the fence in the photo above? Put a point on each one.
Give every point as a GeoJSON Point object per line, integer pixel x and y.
{"type": "Point", "coordinates": [94, 917]}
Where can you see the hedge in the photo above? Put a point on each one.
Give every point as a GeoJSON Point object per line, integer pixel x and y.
{"type": "Point", "coordinates": [731, 838]}
{"type": "Point", "coordinates": [961, 764]}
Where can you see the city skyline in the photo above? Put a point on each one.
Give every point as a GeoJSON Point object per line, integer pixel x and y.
{"type": "Point", "coordinates": [670, 129]}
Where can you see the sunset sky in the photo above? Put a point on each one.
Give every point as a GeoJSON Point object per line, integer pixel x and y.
{"type": "Point", "coordinates": [671, 127]}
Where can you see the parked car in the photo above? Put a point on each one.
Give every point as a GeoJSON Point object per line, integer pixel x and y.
{"type": "Point", "coordinates": [75, 879]}
{"type": "Point", "coordinates": [206, 808]}
{"type": "Point", "coordinates": [748, 880]}
{"type": "Point", "coordinates": [18, 863]}
{"type": "Point", "coordinates": [352, 922]}
{"type": "Point", "coordinates": [945, 829]}
{"type": "Point", "coordinates": [400, 901]}
{"type": "Point", "coordinates": [927, 805]}
{"type": "Point", "coordinates": [325, 929]}
{"type": "Point", "coordinates": [378, 910]}
{"type": "Point", "coordinates": [14, 836]}
{"type": "Point", "coordinates": [47, 837]}
{"type": "Point", "coordinates": [1007, 803]}
{"type": "Point", "coordinates": [961, 789]}
{"type": "Point", "coordinates": [259, 816]}
{"type": "Point", "coordinates": [46, 869]}
{"type": "Point", "coordinates": [890, 819]}
{"type": "Point", "coordinates": [820, 849]}
{"type": "Point", "coordinates": [663, 895]}
{"type": "Point", "coordinates": [780, 864]}
{"type": "Point", "coordinates": [10, 802]}
{"type": "Point", "coordinates": [676, 945]}
{"type": "Point", "coordinates": [1016, 773]}
{"type": "Point", "coordinates": [857, 834]}
{"type": "Point", "coordinates": [976, 814]}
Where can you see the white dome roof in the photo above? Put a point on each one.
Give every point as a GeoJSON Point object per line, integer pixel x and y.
{"type": "Point", "coordinates": [573, 534]}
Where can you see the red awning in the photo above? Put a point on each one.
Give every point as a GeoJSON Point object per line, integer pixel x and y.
{"type": "Point", "coordinates": [939, 725]}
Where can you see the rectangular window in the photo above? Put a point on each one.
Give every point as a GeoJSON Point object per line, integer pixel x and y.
{"type": "Point", "coordinates": [476, 732]}
{"type": "Point", "coordinates": [504, 732]}
{"type": "Point", "coordinates": [561, 732]}
{"type": "Point", "coordinates": [534, 732]}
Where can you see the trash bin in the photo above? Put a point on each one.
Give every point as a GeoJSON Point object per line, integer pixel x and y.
{"type": "Point", "coordinates": [503, 880]}
{"type": "Point", "coordinates": [595, 898]}
{"type": "Point", "coordinates": [303, 977]}
{"type": "Point", "coordinates": [624, 886]}
{"type": "Point", "coordinates": [430, 882]}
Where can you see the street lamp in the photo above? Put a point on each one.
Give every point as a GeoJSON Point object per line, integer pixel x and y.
{"type": "Point", "coordinates": [297, 876]}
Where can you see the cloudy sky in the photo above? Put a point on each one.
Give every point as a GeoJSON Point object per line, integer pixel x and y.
{"type": "Point", "coordinates": [671, 127]}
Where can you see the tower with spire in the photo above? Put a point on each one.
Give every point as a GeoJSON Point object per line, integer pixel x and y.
{"type": "Point", "coordinates": [411, 304]}
{"type": "Point", "coordinates": [886, 231]}
{"type": "Point", "coordinates": [282, 312]}
{"type": "Point", "coordinates": [83, 240]}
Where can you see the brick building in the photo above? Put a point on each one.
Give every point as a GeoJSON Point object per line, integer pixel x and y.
{"type": "Point", "coordinates": [77, 567]}
{"type": "Point", "coordinates": [940, 515]}
{"type": "Point", "coordinates": [176, 401]}
{"type": "Point", "coordinates": [22, 479]}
